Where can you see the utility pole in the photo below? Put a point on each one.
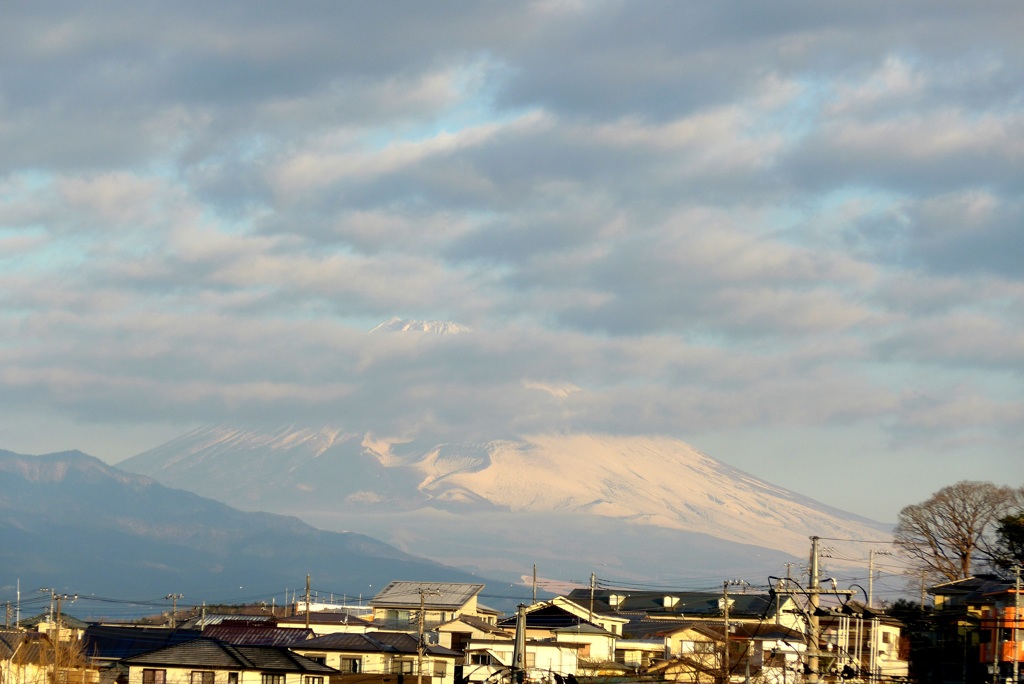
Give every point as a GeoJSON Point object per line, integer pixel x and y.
{"type": "Point", "coordinates": [420, 645]}
{"type": "Point", "coordinates": [725, 649]}
{"type": "Point", "coordinates": [871, 578]}
{"type": "Point", "coordinates": [174, 608]}
{"type": "Point", "coordinates": [535, 583]}
{"type": "Point", "coordinates": [871, 574]}
{"type": "Point", "coordinates": [519, 647]}
{"type": "Point", "coordinates": [813, 593]}
{"type": "Point", "coordinates": [1016, 621]}
{"type": "Point", "coordinates": [593, 583]}
{"type": "Point", "coordinates": [726, 657]}
{"type": "Point", "coordinates": [307, 601]}
{"type": "Point", "coordinates": [57, 598]}
{"type": "Point", "coordinates": [813, 621]}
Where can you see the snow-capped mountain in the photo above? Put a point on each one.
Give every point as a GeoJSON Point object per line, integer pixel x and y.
{"type": "Point", "coordinates": [571, 500]}
{"type": "Point", "coordinates": [402, 325]}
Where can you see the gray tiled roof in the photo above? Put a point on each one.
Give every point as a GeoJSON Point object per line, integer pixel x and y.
{"type": "Point", "coordinates": [695, 603]}
{"type": "Point", "coordinates": [373, 642]}
{"type": "Point", "coordinates": [212, 654]}
{"type": "Point", "coordinates": [241, 634]}
{"type": "Point", "coordinates": [436, 595]}
{"type": "Point", "coordinates": [27, 646]}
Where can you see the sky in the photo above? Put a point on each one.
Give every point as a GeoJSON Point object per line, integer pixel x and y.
{"type": "Point", "coordinates": [789, 233]}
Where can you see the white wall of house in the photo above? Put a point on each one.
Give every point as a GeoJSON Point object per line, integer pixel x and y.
{"type": "Point", "coordinates": [138, 674]}
{"type": "Point", "coordinates": [542, 657]}
{"type": "Point", "coordinates": [435, 670]}
{"type": "Point", "coordinates": [639, 652]}
{"type": "Point", "coordinates": [596, 648]}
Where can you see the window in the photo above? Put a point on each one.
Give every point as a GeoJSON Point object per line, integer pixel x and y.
{"type": "Point", "coordinates": [531, 660]}
{"type": "Point", "coordinates": [480, 659]}
{"type": "Point", "coordinates": [309, 679]}
{"type": "Point", "coordinates": [200, 677]}
{"type": "Point", "coordinates": [232, 678]}
{"type": "Point", "coordinates": [440, 668]}
{"type": "Point", "coordinates": [353, 665]}
{"type": "Point", "coordinates": [154, 677]}
{"type": "Point", "coordinates": [317, 658]}
{"type": "Point", "coordinates": [406, 666]}
{"type": "Point", "coordinates": [271, 678]}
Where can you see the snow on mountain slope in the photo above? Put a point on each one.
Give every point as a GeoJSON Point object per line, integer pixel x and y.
{"type": "Point", "coordinates": [401, 325]}
{"type": "Point", "coordinates": [645, 482]}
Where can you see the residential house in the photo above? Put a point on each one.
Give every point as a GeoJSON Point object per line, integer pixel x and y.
{"type": "Point", "coordinates": [106, 645]}
{"type": "Point", "coordinates": [239, 633]}
{"type": "Point", "coordinates": [399, 604]}
{"type": "Point", "coordinates": [858, 640]}
{"type": "Point", "coordinates": [1000, 645]}
{"type": "Point", "coordinates": [382, 653]}
{"type": "Point", "coordinates": [208, 661]}
{"type": "Point", "coordinates": [25, 657]}
{"type": "Point", "coordinates": [699, 652]}
{"type": "Point", "coordinates": [545, 659]}
{"type": "Point", "coordinates": [955, 652]}
{"type": "Point", "coordinates": [456, 634]}
{"type": "Point", "coordinates": [53, 654]}
{"type": "Point", "coordinates": [605, 620]}
{"type": "Point", "coordinates": [555, 621]}
{"type": "Point", "coordinates": [328, 622]}
{"type": "Point", "coordinates": [68, 629]}
{"type": "Point", "coordinates": [777, 608]}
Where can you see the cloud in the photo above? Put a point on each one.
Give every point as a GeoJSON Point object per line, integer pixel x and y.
{"type": "Point", "coordinates": [796, 219]}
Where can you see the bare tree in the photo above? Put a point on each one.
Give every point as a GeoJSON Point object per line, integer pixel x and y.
{"type": "Point", "coordinates": [947, 534]}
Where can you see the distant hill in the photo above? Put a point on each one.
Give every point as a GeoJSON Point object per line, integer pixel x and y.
{"type": "Point", "coordinates": [631, 507]}
{"type": "Point", "coordinates": [75, 524]}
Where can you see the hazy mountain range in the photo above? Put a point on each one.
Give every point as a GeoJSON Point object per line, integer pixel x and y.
{"type": "Point", "coordinates": [628, 507]}
{"type": "Point", "coordinates": [79, 526]}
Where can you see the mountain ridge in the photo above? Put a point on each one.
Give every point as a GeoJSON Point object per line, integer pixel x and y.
{"type": "Point", "coordinates": [110, 532]}
{"type": "Point", "coordinates": [579, 484]}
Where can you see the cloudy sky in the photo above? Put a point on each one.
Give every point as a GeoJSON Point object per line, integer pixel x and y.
{"type": "Point", "coordinates": [788, 233]}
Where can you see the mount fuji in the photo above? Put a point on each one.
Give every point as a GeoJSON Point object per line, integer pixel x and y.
{"type": "Point", "coordinates": [639, 508]}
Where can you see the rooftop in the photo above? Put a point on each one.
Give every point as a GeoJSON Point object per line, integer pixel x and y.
{"type": "Point", "coordinates": [434, 595]}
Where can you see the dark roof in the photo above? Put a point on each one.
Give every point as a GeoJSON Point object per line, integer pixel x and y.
{"type": "Point", "coordinates": [971, 590]}
{"type": "Point", "coordinates": [241, 634]}
{"type": "Point", "coordinates": [202, 621]}
{"type": "Point", "coordinates": [372, 642]}
{"type": "Point", "coordinates": [436, 595]}
{"type": "Point", "coordinates": [66, 621]}
{"type": "Point", "coordinates": [686, 603]}
{"type": "Point", "coordinates": [325, 617]}
{"type": "Point", "coordinates": [24, 647]}
{"type": "Point", "coordinates": [546, 617]}
{"type": "Point", "coordinates": [477, 623]}
{"type": "Point", "coordinates": [10, 640]}
{"type": "Point", "coordinates": [117, 642]}
{"type": "Point", "coordinates": [212, 654]}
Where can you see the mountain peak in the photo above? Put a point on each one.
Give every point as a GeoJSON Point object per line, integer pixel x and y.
{"type": "Point", "coordinates": [407, 325]}
{"type": "Point", "coordinates": [654, 495]}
